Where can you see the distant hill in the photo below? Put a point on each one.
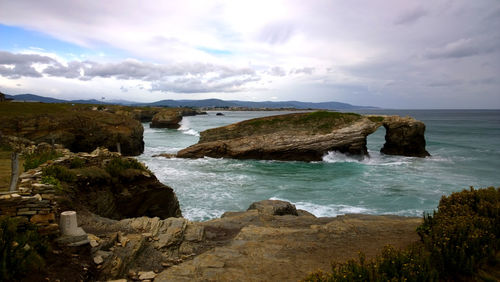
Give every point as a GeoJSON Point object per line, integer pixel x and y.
{"type": "Point", "coordinates": [217, 103]}
{"type": "Point", "coordinates": [37, 98]}
{"type": "Point", "coordinates": [206, 103]}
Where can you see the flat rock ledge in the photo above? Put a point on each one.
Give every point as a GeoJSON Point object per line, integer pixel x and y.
{"type": "Point", "coordinates": [272, 240]}
{"type": "Point", "coordinates": [308, 137]}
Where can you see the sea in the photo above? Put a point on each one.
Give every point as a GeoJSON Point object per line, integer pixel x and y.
{"type": "Point", "coordinates": [464, 144]}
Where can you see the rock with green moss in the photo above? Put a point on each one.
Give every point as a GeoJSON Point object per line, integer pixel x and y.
{"type": "Point", "coordinates": [166, 119]}
{"type": "Point", "coordinates": [77, 127]}
{"type": "Point", "coordinates": [308, 137]}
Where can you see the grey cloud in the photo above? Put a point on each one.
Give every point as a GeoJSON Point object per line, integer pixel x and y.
{"type": "Point", "coordinates": [201, 77]}
{"type": "Point", "coordinates": [463, 47]}
{"type": "Point", "coordinates": [7, 58]}
{"type": "Point", "coordinates": [73, 70]}
{"type": "Point", "coordinates": [194, 85]}
{"type": "Point", "coordinates": [445, 83]}
{"type": "Point", "coordinates": [411, 16]}
{"type": "Point", "coordinates": [15, 66]}
{"type": "Point", "coordinates": [305, 70]}
{"type": "Point", "coordinates": [277, 71]}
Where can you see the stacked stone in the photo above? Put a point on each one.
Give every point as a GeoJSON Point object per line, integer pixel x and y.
{"type": "Point", "coordinates": [33, 202]}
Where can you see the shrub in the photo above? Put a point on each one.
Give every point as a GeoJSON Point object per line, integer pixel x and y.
{"type": "Point", "coordinates": [93, 175]}
{"type": "Point", "coordinates": [61, 173]}
{"type": "Point", "coordinates": [116, 166]}
{"type": "Point", "coordinates": [76, 163]}
{"type": "Point", "coordinates": [21, 248]}
{"type": "Point", "coordinates": [52, 181]}
{"type": "Point", "coordinates": [459, 241]}
{"type": "Point", "coordinates": [392, 265]}
{"type": "Point", "coordinates": [37, 158]}
{"type": "Point", "coordinates": [465, 231]}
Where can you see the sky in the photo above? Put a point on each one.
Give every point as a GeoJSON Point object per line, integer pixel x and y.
{"type": "Point", "coordinates": [385, 53]}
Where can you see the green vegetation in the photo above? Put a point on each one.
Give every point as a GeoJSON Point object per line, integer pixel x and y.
{"type": "Point", "coordinates": [76, 163]}
{"type": "Point", "coordinates": [21, 248]}
{"type": "Point", "coordinates": [37, 158]}
{"type": "Point", "coordinates": [76, 174]}
{"type": "Point", "coordinates": [376, 118]}
{"type": "Point", "coordinates": [319, 122]}
{"type": "Point", "coordinates": [458, 242]}
{"type": "Point", "coordinates": [93, 175]}
{"type": "Point", "coordinates": [48, 179]}
{"type": "Point", "coordinates": [117, 166]}
{"type": "Point", "coordinates": [465, 232]}
{"type": "Point", "coordinates": [60, 173]}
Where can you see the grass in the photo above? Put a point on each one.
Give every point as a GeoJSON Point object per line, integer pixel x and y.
{"type": "Point", "coordinates": [459, 242]}
{"type": "Point", "coordinates": [319, 122]}
{"type": "Point", "coordinates": [77, 175]}
{"type": "Point", "coordinates": [37, 158]}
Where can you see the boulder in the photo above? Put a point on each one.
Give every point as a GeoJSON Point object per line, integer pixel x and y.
{"type": "Point", "coordinates": [274, 207]}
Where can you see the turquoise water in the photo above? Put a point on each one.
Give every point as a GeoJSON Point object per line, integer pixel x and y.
{"type": "Point", "coordinates": [464, 146]}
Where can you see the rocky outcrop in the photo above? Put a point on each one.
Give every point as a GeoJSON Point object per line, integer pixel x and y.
{"type": "Point", "coordinates": [78, 127]}
{"type": "Point", "coordinates": [112, 186]}
{"type": "Point", "coordinates": [272, 240]}
{"type": "Point", "coordinates": [306, 137]}
{"type": "Point", "coordinates": [166, 119]}
{"type": "Point", "coordinates": [404, 137]}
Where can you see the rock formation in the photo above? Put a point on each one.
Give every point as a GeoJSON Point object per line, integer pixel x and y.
{"type": "Point", "coordinates": [112, 186]}
{"type": "Point", "coordinates": [270, 241]}
{"type": "Point", "coordinates": [166, 119]}
{"type": "Point", "coordinates": [307, 137]}
{"type": "Point", "coordinates": [404, 136]}
{"type": "Point", "coordinates": [77, 127]}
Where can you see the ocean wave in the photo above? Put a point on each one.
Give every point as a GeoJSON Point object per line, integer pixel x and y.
{"type": "Point", "coordinates": [374, 158]}
{"type": "Point", "coordinates": [186, 129]}
{"type": "Point", "coordinates": [331, 210]}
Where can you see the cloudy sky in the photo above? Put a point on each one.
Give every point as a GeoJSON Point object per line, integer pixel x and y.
{"type": "Point", "coordinates": [387, 53]}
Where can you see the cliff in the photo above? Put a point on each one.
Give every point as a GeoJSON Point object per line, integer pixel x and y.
{"type": "Point", "coordinates": [271, 240]}
{"type": "Point", "coordinates": [308, 137]}
{"type": "Point", "coordinates": [80, 128]}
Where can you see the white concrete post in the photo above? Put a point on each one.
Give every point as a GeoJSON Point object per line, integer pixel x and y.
{"type": "Point", "coordinates": [68, 223]}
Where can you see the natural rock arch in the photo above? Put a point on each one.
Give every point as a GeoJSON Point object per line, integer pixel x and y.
{"type": "Point", "coordinates": [308, 137]}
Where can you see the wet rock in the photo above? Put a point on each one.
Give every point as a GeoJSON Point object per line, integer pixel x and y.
{"type": "Point", "coordinates": [274, 207]}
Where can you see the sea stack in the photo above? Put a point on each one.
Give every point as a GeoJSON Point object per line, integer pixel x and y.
{"type": "Point", "coordinates": [308, 137]}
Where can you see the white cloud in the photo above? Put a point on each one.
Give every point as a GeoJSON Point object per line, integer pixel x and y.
{"type": "Point", "coordinates": [379, 52]}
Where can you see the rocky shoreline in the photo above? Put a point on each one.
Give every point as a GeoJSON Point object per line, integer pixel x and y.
{"type": "Point", "coordinates": [135, 230]}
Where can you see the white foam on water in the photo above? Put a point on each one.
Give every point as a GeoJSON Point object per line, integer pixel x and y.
{"type": "Point", "coordinates": [374, 158]}
{"type": "Point", "coordinates": [337, 157]}
{"type": "Point", "coordinates": [327, 210]}
{"type": "Point", "coordinates": [191, 132]}
{"type": "Point", "coordinates": [186, 129]}
{"type": "Point", "coordinates": [200, 214]}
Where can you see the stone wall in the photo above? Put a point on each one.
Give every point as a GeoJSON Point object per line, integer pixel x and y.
{"type": "Point", "coordinates": [33, 202]}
